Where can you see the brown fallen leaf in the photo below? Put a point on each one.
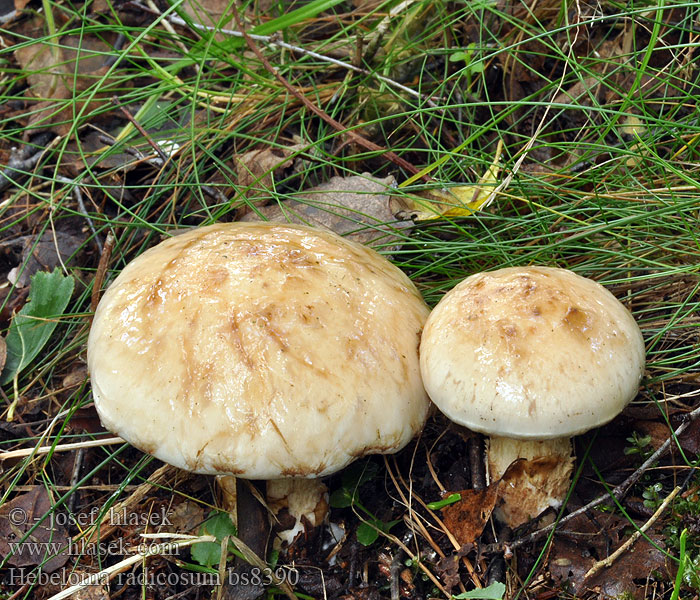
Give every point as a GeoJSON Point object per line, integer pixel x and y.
{"type": "Point", "coordinates": [20, 4]}
{"type": "Point", "coordinates": [60, 71]}
{"type": "Point", "coordinates": [3, 353]}
{"type": "Point", "coordinates": [94, 591]}
{"type": "Point", "coordinates": [584, 541]}
{"type": "Point", "coordinates": [43, 254]}
{"type": "Point", "coordinates": [448, 567]}
{"type": "Point", "coordinates": [48, 541]}
{"type": "Point", "coordinates": [256, 170]}
{"type": "Point", "coordinates": [659, 433]}
{"type": "Point", "coordinates": [467, 518]}
{"type": "Point", "coordinates": [186, 517]}
{"type": "Point", "coordinates": [357, 207]}
{"type": "Point", "coordinates": [213, 13]}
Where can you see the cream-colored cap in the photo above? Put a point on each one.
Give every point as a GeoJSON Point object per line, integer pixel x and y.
{"type": "Point", "coordinates": [259, 350]}
{"type": "Point", "coordinates": [531, 353]}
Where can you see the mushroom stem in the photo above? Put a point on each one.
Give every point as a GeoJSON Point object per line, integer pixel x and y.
{"type": "Point", "coordinates": [298, 505]}
{"type": "Point", "coordinates": [539, 480]}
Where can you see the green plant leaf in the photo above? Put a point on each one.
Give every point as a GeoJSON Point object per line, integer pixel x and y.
{"type": "Point", "coordinates": [358, 473]}
{"type": "Point", "coordinates": [206, 554]}
{"type": "Point", "coordinates": [438, 504]}
{"type": "Point", "coordinates": [219, 525]}
{"type": "Point", "coordinates": [368, 531]}
{"type": "Point", "coordinates": [296, 16]}
{"type": "Point", "coordinates": [341, 498]}
{"type": "Point", "coordinates": [366, 534]}
{"type": "Point", "coordinates": [33, 325]}
{"type": "Point", "coordinates": [493, 592]}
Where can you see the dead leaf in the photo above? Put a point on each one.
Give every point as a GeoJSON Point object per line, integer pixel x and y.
{"type": "Point", "coordinates": [85, 420]}
{"type": "Point", "coordinates": [74, 377]}
{"type": "Point", "coordinates": [256, 170]}
{"type": "Point", "coordinates": [3, 353]}
{"type": "Point", "coordinates": [456, 201]}
{"type": "Point", "coordinates": [356, 207]}
{"type": "Point", "coordinates": [210, 13]}
{"type": "Point", "coordinates": [60, 71]}
{"type": "Point", "coordinates": [448, 566]}
{"type": "Point", "coordinates": [589, 541]}
{"type": "Point", "coordinates": [20, 4]}
{"type": "Point", "coordinates": [187, 517]}
{"type": "Point", "coordinates": [94, 591]}
{"type": "Point", "coordinates": [49, 540]}
{"type": "Point", "coordinates": [659, 432]}
{"type": "Point", "coordinates": [43, 254]}
{"type": "Point", "coordinates": [467, 518]}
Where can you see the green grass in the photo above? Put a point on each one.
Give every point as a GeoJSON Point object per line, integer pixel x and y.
{"type": "Point", "coordinates": [610, 187]}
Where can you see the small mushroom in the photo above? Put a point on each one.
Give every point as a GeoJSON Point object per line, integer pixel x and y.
{"type": "Point", "coordinates": [530, 357]}
{"type": "Point", "coordinates": [260, 350]}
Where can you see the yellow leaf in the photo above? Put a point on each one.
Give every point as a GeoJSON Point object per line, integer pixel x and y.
{"type": "Point", "coordinates": [457, 201]}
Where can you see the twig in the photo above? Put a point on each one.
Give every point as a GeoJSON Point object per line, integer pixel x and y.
{"type": "Point", "coordinates": [75, 477]}
{"type": "Point", "coordinates": [156, 147]}
{"type": "Point", "coordinates": [59, 448]}
{"type": "Point", "coordinates": [606, 562]}
{"type": "Point", "coordinates": [394, 572]}
{"type": "Point", "coordinates": [20, 162]}
{"type": "Point", "coordinates": [107, 524]}
{"type": "Point", "coordinates": [77, 194]}
{"type": "Point", "coordinates": [357, 138]}
{"type": "Point", "coordinates": [101, 271]}
{"type": "Point", "coordinates": [102, 577]}
{"type": "Point", "coordinates": [169, 28]}
{"type": "Point", "coordinates": [253, 559]}
{"type": "Point", "coordinates": [619, 491]}
{"type": "Point", "coordinates": [97, 487]}
{"type": "Point", "coordinates": [274, 41]}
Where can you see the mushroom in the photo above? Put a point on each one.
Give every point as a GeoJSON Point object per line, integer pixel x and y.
{"type": "Point", "coordinates": [260, 350]}
{"type": "Point", "coordinates": [530, 357]}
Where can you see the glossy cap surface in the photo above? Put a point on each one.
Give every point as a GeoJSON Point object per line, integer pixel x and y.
{"type": "Point", "coordinates": [531, 353]}
{"type": "Point", "coordinates": [259, 350]}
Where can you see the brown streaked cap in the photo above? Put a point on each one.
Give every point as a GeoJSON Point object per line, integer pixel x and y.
{"type": "Point", "coordinates": [259, 350]}
{"type": "Point", "coordinates": [531, 353]}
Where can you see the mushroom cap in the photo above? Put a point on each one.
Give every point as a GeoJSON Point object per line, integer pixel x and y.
{"type": "Point", "coordinates": [531, 353]}
{"type": "Point", "coordinates": [259, 350]}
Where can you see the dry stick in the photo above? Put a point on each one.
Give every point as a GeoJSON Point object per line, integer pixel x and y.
{"type": "Point", "coordinates": [101, 271]}
{"type": "Point", "coordinates": [75, 476]}
{"type": "Point", "coordinates": [97, 487]}
{"type": "Point", "coordinates": [24, 452]}
{"type": "Point", "coordinates": [108, 524]}
{"type": "Point", "coordinates": [253, 559]}
{"type": "Point", "coordinates": [413, 521]}
{"type": "Point", "coordinates": [77, 194]}
{"type": "Point", "coordinates": [102, 577]}
{"type": "Point", "coordinates": [618, 492]}
{"type": "Point", "coordinates": [357, 138]}
{"type": "Point", "coordinates": [272, 40]}
{"type": "Point", "coordinates": [158, 150]}
{"type": "Point", "coordinates": [606, 562]}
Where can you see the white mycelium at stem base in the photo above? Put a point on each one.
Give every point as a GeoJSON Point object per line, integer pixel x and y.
{"type": "Point", "coordinates": [531, 354]}
{"type": "Point", "coordinates": [260, 350]}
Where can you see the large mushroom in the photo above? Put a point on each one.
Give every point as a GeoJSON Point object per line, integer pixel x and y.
{"type": "Point", "coordinates": [530, 357]}
{"type": "Point", "coordinates": [260, 350]}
